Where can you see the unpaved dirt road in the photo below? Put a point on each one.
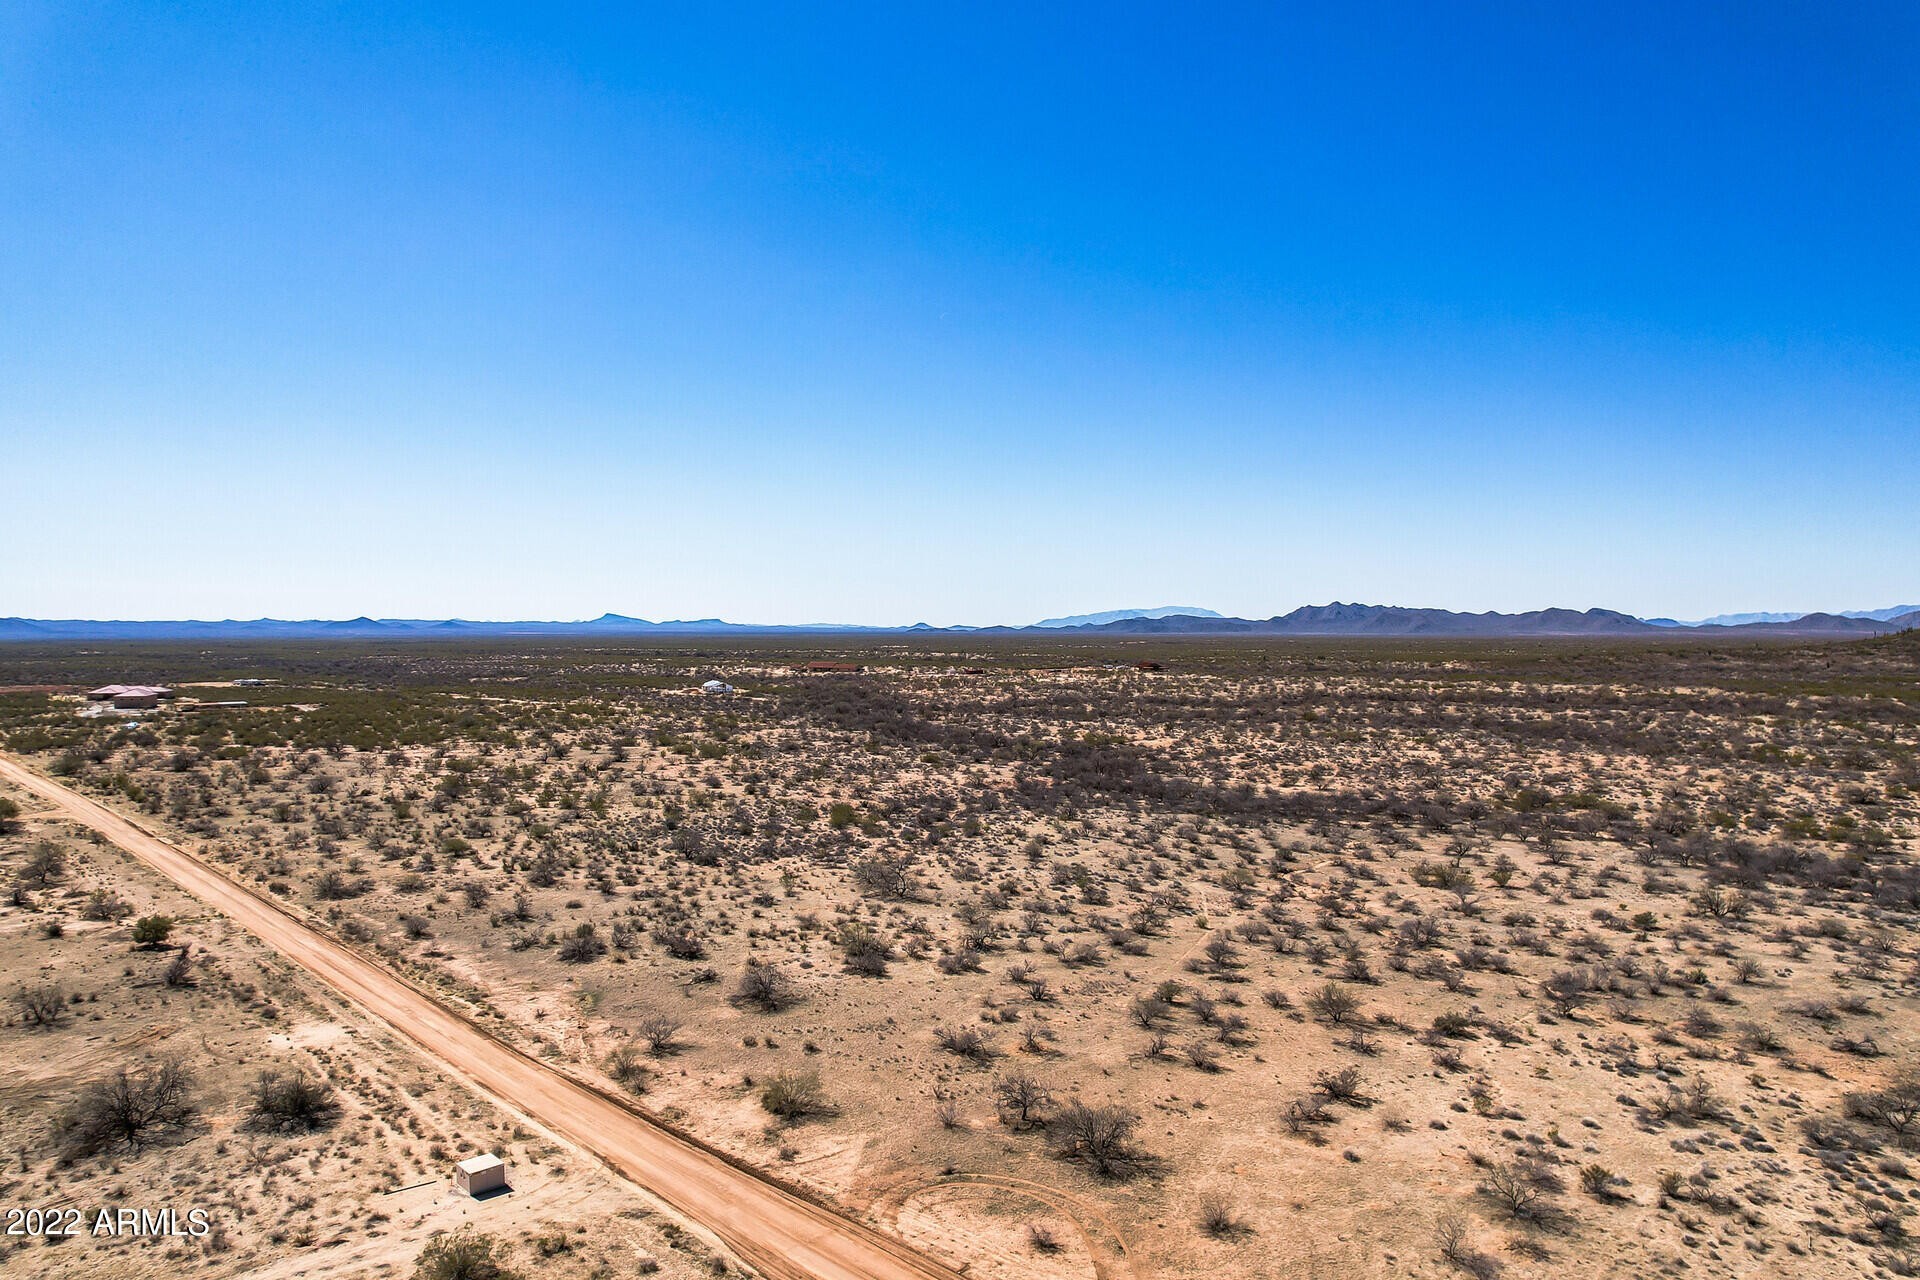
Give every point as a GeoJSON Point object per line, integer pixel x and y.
{"type": "Point", "coordinates": [773, 1230]}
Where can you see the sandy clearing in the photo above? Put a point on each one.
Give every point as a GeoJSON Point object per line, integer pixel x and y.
{"type": "Point", "coordinates": [775, 1231]}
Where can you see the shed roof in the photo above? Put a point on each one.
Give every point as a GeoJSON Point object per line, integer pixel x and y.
{"type": "Point", "coordinates": [480, 1164]}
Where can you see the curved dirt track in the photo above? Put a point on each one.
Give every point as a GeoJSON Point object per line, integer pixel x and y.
{"type": "Point", "coordinates": [775, 1231]}
{"type": "Point", "coordinates": [1112, 1260]}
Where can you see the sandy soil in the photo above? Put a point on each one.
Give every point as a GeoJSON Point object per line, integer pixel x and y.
{"type": "Point", "coordinates": [779, 1233]}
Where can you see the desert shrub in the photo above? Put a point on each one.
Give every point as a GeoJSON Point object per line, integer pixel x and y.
{"type": "Point", "coordinates": [105, 906]}
{"type": "Point", "coordinates": [1201, 1056]}
{"type": "Point", "coordinates": [151, 931]}
{"type": "Point", "coordinates": [1100, 1137]}
{"type": "Point", "coordinates": [462, 1255]}
{"type": "Point", "coordinates": [180, 970]}
{"type": "Point", "coordinates": [583, 945]}
{"type": "Point", "coordinates": [1022, 1099]}
{"type": "Point", "coordinates": [1219, 1217]}
{"type": "Point", "coordinates": [1600, 1182]}
{"type": "Point", "coordinates": [44, 866]}
{"type": "Point", "coordinates": [1344, 1085]}
{"type": "Point", "coordinates": [964, 960]}
{"type": "Point", "coordinates": [1149, 1011]}
{"type": "Point", "coordinates": [130, 1107]}
{"type": "Point", "coordinates": [1568, 990]}
{"type": "Point", "coordinates": [680, 942]}
{"type": "Point", "coordinates": [337, 886]}
{"type": "Point", "coordinates": [965, 1042]}
{"type": "Point", "coordinates": [291, 1103]}
{"type": "Point", "coordinates": [624, 1065]}
{"type": "Point", "coordinates": [1721, 902]}
{"type": "Point", "coordinates": [1306, 1111]}
{"type": "Point", "coordinates": [865, 952]}
{"type": "Point", "coordinates": [1333, 1003]}
{"type": "Point", "coordinates": [795, 1095]}
{"type": "Point", "coordinates": [1690, 1103]}
{"type": "Point", "coordinates": [1519, 1188]}
{"type": "Point", "coordinates": [1895, 1107]}
{"type": "Point", "coordinates": [1451, 1235]}
{"type": "Point", "coordinates": [41, 1006]}
{"type": "Point", "coordinates": [659, 1030]}
{"type": "Point", "coordinates": [884, 875]}
{"type": "Point", "coordinates": [766, 987]}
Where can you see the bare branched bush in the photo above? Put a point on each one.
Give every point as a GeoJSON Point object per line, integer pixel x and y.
{"type": "Point", "coordinates": [1895, 1108]}
{"type": "Point", "coordinates": [1219, 1217]}
{"type": "Point", "coordinates": [886, 876]}
{"type": "Point", "coordinates": [1023, 1100]}
{"type": "Point", "coordinates": [965, 1042]}
{"type": "Point", "coordinates": [766, 987]}
{"type": "Point", "coordinates": [1451, 1234]}
{"type": "Point", "coordinates": [1334, 1003]}
{"type": "Point", "coordinates": [1518, 1187]}
{"type": "Point", "coordinates": [1042, 1238]}
{"type": "Point", "coordinates": [1344, 1085]}
{"type": "Point", "coordinates": [130, 1107]}
{"type": "Point", "coordinates": [660, 1031]}
{"type": "Point", "coordinates": [1101, 1137]}
{"type": "Point", "coordinates": [40, 1006]}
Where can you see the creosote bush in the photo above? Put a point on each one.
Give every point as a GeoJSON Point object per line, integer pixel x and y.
{"type": "Point", "coordinates": [292, 1102]}
{"type": "Point", "coordinates": [465, 1254]}
{"type": "Point", "coordinates": [795, 1095]}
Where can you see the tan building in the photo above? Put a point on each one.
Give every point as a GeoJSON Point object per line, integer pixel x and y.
{"type": "Point", "coordinates": [115, 692]}
{"type": "Point", "coordinates": [481, 1174]}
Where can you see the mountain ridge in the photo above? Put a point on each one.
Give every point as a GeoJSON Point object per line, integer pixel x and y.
{"type": "Point", "coordinates": [1123, 615]}
{"type": "Point", "coordinates": [1334, 619]}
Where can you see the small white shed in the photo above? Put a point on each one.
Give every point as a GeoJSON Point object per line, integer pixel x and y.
{"type": "Point", "coordinates": [481, 1174]}
{"type": "Point", "coordinates": [716, 686]}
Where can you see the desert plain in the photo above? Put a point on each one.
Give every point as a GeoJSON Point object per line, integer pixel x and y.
{"type": "Point", "coordinates": [1112, 958]}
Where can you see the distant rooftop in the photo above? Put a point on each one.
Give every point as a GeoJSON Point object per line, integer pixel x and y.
{"type": "Point", "coordinates": [106, 691]}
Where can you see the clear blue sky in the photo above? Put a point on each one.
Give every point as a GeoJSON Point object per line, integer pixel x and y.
{"type": "Point", "coordinates": [957, 314]}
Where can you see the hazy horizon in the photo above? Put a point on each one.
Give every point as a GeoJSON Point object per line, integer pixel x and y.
{"type": "Point", "coordinates": [913, 316]}
{"type": "Point", "coordinates": [897, 624]}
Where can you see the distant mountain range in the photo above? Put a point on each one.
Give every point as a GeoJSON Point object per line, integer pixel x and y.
{"type": "Point", "coordinates": [1312, 620]}
{"type": "Point", "coordinates": [1124, 615]}
{"type": "Point", "coordinates": [1387, 620]}
{"type": "Point", "coordinates": [1743, 619]}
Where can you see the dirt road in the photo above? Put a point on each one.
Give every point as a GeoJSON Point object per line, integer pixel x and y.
{"type": "Point", "coordinates": [775, 1231]}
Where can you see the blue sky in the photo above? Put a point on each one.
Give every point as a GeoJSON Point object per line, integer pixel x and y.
{"type": "Point", "coordinates": [961, 314]}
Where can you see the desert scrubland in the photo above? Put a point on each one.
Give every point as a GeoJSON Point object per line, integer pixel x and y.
{"type": "Point", "coordinates": [1308, 958]}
